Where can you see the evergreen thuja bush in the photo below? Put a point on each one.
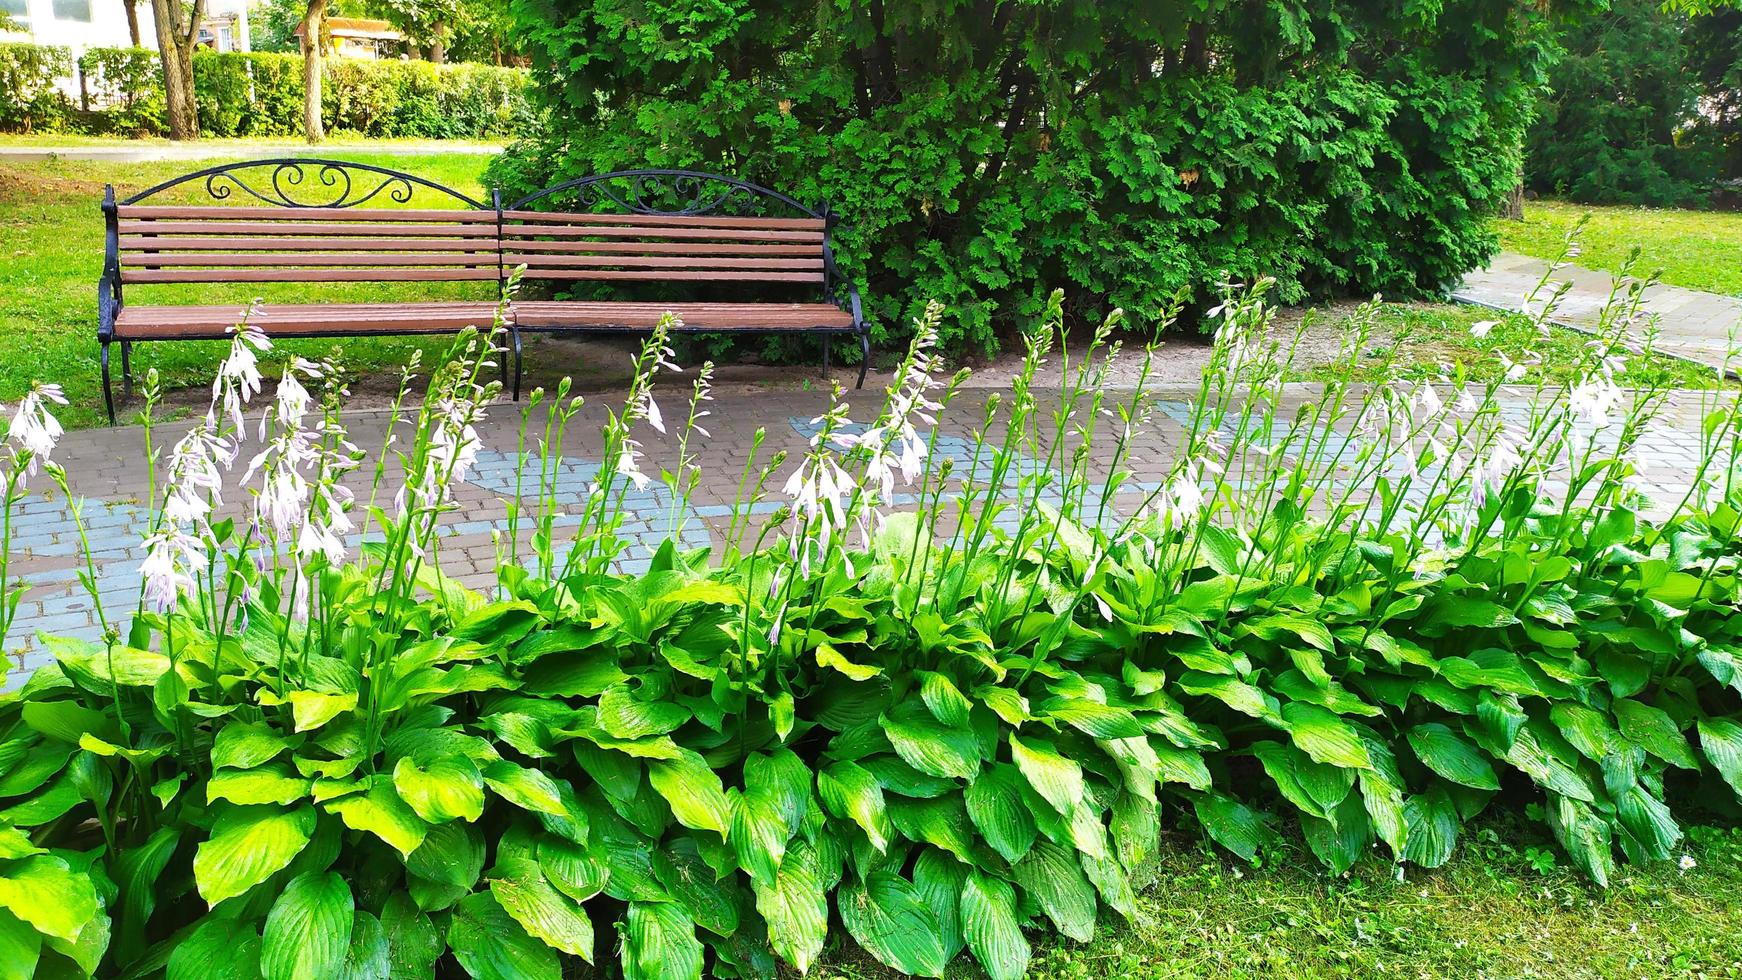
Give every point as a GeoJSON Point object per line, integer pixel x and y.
{"type": "Point", "coordinates": [1362, 619]}
{"type": "Point", "coordinates": [980, 152]}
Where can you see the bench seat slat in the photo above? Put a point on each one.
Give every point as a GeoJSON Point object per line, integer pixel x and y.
{"type": "Point", "coordinates": [212, 322]}
{"type": "Point", "coordinates": [711, 275]}
{"type": "Point", "coordinates": [581, 246]}
{"type": "Point", "coordinates": [589, 315]}
{"type": "Point", "coordinates": [278, 213]}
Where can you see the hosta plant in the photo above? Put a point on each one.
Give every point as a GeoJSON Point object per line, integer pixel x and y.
{"type": "Point", "coordinates": [1356, 613]}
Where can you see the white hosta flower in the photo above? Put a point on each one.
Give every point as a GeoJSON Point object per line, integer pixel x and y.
{"type": "Point", "coordinates": [1481, 328]}
{"type": "Point", "coordinates": [238, 379]}
{"type": "Point", "coordinates": [1511, 373]}
{"type": "Point", "coordinates": [34, 428]}
{"type": "Point", "coordinates": [172, 558]}
{"type": "Point", "coordinates": [1593, 400]}
{"type": "Point", "coordinates": [627, 465]}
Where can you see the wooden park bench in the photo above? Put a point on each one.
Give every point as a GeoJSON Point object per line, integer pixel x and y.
{"type": "Point", "coordinates": [304, 221]}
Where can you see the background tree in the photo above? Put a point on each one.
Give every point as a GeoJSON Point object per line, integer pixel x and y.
{"type": "Point", "coordinates": [313, 40]}
{"type": "Point", "coordinates": [272, 25]}
{"type": "Point", "coordinates": [131, 7]}
{"type": "Point", "coordinates": [1714, 45]}
{"type": "Point", "coordinates": [1619, 96]}
{"type": "Point", "coordinates": [177, 29]}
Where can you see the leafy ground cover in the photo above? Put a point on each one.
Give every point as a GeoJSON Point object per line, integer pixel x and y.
{"type": "Point", "coordinates": [54, 253]}
{"type": "Point", "coordinates": [1355, 631]}
{"type": "Point", "coordinates": [1429, 339]}
{"type": "Point", "coordinates": [1695, 249]}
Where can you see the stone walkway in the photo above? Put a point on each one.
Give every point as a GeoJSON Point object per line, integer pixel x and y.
{"type": "Point", "coordinates": [106, 467]}
{"type": "Point", "coordinates": [1695, 325]}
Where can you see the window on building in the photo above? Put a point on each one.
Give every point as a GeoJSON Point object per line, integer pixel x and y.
{"type": "Point", "coordinates": [79, 10]}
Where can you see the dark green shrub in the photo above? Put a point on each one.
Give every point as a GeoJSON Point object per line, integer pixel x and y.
{"type": "Point", "coordinates": [29, 100]}
{"type": "Point", "coordinates": [1612, 128]}
{"type": "Point", "coordinates": [122, 91]}
{"type": "Point", "coordinates": [1128, 153]}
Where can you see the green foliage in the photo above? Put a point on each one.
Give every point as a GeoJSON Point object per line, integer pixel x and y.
{"type": "Point", "coordinates": [29, 100]}
{"type": "Point", "coordinates": [977, 151]}
{"type": "Point", "coordinates": [1715, 56]}
{"type": "Point", "coordinates": [1611, 131]}
{"type": "Point", "coordinates": [125, 85]}
{"type": "Point", "coordinates": [936, 735]}
{"type": "Point", "coordinates": [257, 94]}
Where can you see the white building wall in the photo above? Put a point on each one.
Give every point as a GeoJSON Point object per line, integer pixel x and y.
{"type": "Point", "coordinates": [81, 24]}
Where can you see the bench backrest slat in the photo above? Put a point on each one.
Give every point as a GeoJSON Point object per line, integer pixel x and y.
{"type": "Point", "coordinates": [195, 244]}
{"type": "Point", "coordinates": [689, 248]}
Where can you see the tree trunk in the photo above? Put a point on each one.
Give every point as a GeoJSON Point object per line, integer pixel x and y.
{"type": "Point", "coordinates": [1515, 198]}
{"type": "Point", "coordinates": [132, 8]}
{"type": "Point", "coordinates": [311, 71]}
{"type": "Point", "coordinates": [175, 47]}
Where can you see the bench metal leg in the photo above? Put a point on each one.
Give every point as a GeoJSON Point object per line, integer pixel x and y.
{"type": "Point", "coordinates": [864, 357]}
{"type": "Point", "coordinates": [514, 335]}
{"type": "Point", "coordinates": [828, 341]}
{"type": "Point", "coordinates": [126, 369]}
{"type": "Point", "coordinates": [108, 393]}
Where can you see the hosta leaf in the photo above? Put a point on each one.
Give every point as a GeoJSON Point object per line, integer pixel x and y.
{"type": "Point", "coordinates": [574, 870]}
{"type": "Point", "coordinates": [452, 854]}
{"type": "Point", "coordinates": [308, 931]}
{"type": "Point", "coordinates": [943, 699]}
{"type": "Point", "coordinates": [1340, 840]}
{"type": "Point", "coordinates": [529, 789]}
{"type": "Point", "coordinates": [1433, 828]}
{"type": "Point", "coordinates": [1240, 696]}
{"type": "Point", "coordinates": [623, 715]}
{"type": "Point", "coordinates": [1654, 731]}
{"type": "Point", "coordinates": [1584, 835]}
{"type": "Point", "coordinates": [852, 793]}
{"type": "Point", "coordinates": [1057, 779]}
{"type": "Point", "coordinates": [449, 789]}
{"type": "Point", "coordinates": [693, 790]}
{"type": "Point", "coordinates": [46, 892]}
{"type": "Point", "coordinates": [1324, 736]}
{"type": "Point", "coordinates": [1093, 718]}
{"type": "Point", "coordinates": [413, 945]}
{"type": "Point", "coordinates": [1651, 833]}
{"type": "Point", "coordinates": [796, 913]}
{"type": "Point", "coordinates": [693, 884]}
{"type": "Point", "coordinates": [1453, 758]}
{"type": "Point", "coordinates": [937, 879]}
{"type": "Point", "coordinates": [247, 845]}
{"type": "Point", "coordinates": [20, 948]}
{"type": "Point", "coordinates": [544, 912]}
{"type": "Point", "coordinates": [995, 806]}
{"type": "Point", "coordinates": [942, 822]}
{"type": "Point", "coordinates": [370, 956]}
{"type": "Point", "coordinates": [659, 943]}
{"type": "Point", "coordinates": [990, 926]}
{"type": "Point", "coordinates": [1231, 824]}
{"type": "Point", "coordinates": [889, 917]}
{"type": "Point", "coordinates": [933, 748]}
{"type": "Point", "coordinates": [271, 783]}
{"type": "Point", "coordinates": [1721, 739]}
{"type": "Point", "coordinates": [381, 812]}
{"type": "Point", "coordinates": [312, 709]}
{"type": "Point", "coordinates": [1053, 878]}
{"type": "Point", "coordinates": [490, 945]}
{"type": "Point", "coordinates": [217, 949]}
{"type": "Point", "coordinates": [244, 745]}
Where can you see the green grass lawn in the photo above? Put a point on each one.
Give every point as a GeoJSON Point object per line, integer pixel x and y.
{"type": "Point", "coordinates": [1499, 909]}
{"type": "Point", "coordinates": [1695, 249]}
{"type": "Point", "coordinates": [1433, 338]}
{"type": "Point", "coordinates": [53, 232]}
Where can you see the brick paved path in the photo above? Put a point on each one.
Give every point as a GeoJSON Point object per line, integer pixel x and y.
{"type": "Point", "coordinates": [1696, 325]}
{"type": "Point", "coordinates": [106, 467]}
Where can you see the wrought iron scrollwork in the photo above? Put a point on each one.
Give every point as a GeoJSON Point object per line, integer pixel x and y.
{"type": "Point", "coordinates": [668, 192]}
{"type": "Point", "coordinates": [310, 182]}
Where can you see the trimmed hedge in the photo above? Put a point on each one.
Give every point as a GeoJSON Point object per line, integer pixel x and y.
{"type": "Point", "coordinates": [256, 94]}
